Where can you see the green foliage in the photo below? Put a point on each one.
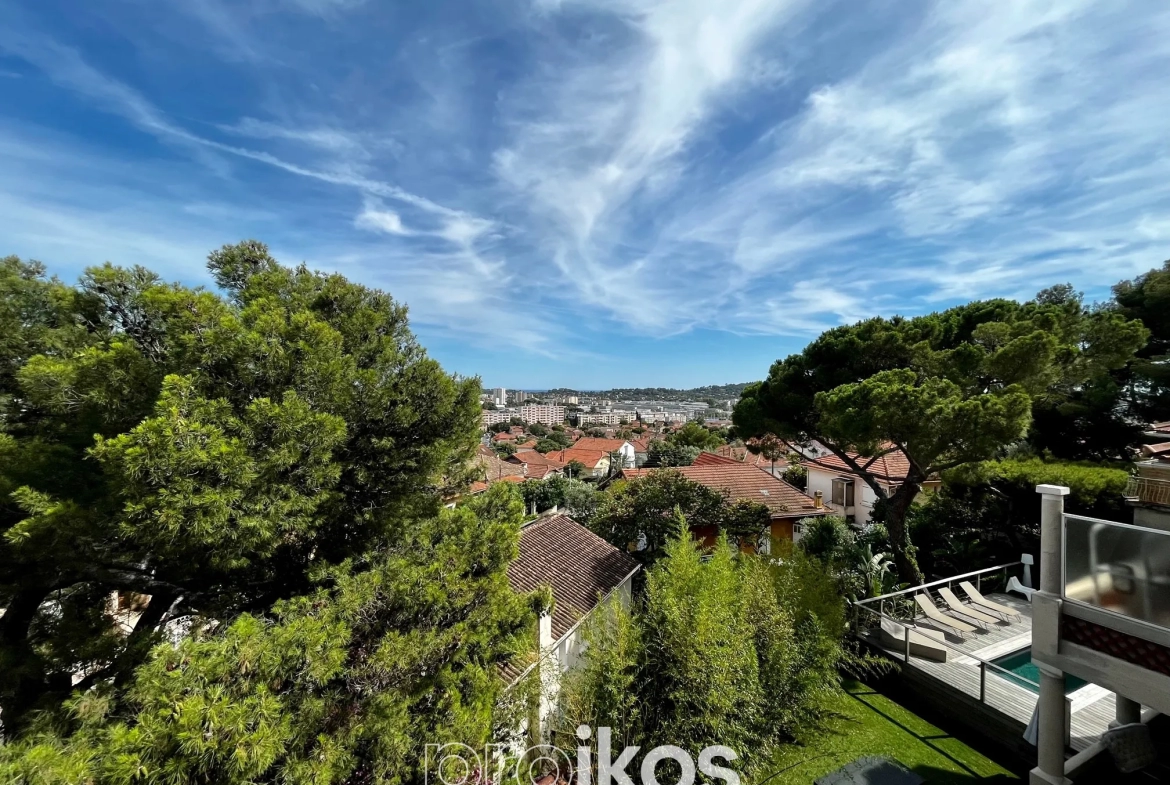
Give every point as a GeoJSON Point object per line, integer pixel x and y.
{"type": "Point", "coordinates": [575, 469]}
{"type": "Point", "coordinates": [536, 429]}
{"type": "Point", "coordinates": [504, 449]}
{"type": "Point", "coordinates": [648, 508]}
{"type": "Point", "coordinates": [692, 434]}
{"type": "Point", "coordinates": [499, 427]}
{"type": "Point", "coordinates": [796, 474]}
{"type": "Point", "coordinates": [827, 538]}
{"type": "Point", "coordinates": [947, 389]}
{"type": "Point", "coordinates": [553, 441]}
{"type": "Point", "coordinates": [665, 453]}
{"type": "Point", "coordinates": [263, 468]}
{"type": "Point", "coordinates": [575, 498]}
{"type": "Point", "coordinates": [734, 651]}
{"type": "Point", "coordinates": [330, 685]}
{"type": "Point", "coordinates": [988, 513]}
{"type": "Point", "coordinates": [1147, 298]}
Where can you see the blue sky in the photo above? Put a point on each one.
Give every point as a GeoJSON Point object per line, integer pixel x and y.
{"type": "Point", "coordinates": [599, 193]}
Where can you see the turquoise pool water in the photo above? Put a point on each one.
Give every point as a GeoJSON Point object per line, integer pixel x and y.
{"type": "Point", "coordinates": [1020, 663]}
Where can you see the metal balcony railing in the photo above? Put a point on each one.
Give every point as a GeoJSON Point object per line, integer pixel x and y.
{"type": "Point", "coordinates": [1118, 567]}
{"type": "Point", "coordinates": [1148, 490]}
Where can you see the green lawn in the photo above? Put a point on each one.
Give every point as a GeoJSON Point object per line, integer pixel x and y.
{"type": "Point", "coordinates": [869, 723]}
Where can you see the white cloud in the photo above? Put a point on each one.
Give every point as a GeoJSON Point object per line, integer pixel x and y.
{"type": "Point", "coordinates": [377, 218]}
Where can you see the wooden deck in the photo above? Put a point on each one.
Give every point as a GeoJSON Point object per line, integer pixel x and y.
{"type": "Point", "coordinates": [1092, 707]}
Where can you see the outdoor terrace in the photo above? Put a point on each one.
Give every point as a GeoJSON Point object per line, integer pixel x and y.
{"type": "Point", "coordinates": [974, 677]}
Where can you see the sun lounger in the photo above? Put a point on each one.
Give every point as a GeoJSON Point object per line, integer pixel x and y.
{"type": "Point", "coordinates": [925, 644]}
{"type": "Point", "coordinates": [984, 603]}
{"type": "Point", "coordinates": [956, 605]}
{"type": "Point", "coordinates": [960, 628]}
{"type": "Point", "coordinates": [1019, 588]}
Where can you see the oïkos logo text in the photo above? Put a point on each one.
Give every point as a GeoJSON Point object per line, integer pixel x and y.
{"type": "Point", "coordinates": [458, 764]}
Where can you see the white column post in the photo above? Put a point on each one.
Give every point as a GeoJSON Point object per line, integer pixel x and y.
{"type": "Point", "coordinates": [549, 672]}
{"type": "Point", "coordinates": [1051, 705]}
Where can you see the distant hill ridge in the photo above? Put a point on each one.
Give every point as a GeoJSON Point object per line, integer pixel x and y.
{"type": "Point", "coordinates": [716, 391]}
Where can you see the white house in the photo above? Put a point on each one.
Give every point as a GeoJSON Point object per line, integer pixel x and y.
{"type": "Point", "coordinates": [582, 570]}
{"type": "Point", "coordinates": [628, 451]}
{"type": "Point", "coordinates": [846, 493]}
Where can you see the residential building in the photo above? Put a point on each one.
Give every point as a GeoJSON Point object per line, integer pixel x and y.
{"type": "Point", "coordinates": [543, 413]}
{"type": "Point", "coordinates": [504, 436]}
{"type": "Point", "coordinates": [1101, 615]}
{"type": "Point", "coordinates": [1149, 490]}
{"type": "Point", "coordinates": [787, 504]}
{"type": "Point", "coordinates": [615, 417]}
{"type": "Point", "coordinates": [596, 462]}
{"type": "Point", "coordinates": [582, 570]}
{"type": "Point", "coordinates": [490, 417]}
{"type": "Point", "coordinates": [500, 396]}
{"type": "Point", "coordinates": [534, 465]}
{"type": "Point", "coordinates": [517, 397]}
{"type": "Point", "coordinates": [847, 493]}
{"type": "Point", "coordinates": [627, 450]}
{"type": "Point", "coordinates": [570, 400]}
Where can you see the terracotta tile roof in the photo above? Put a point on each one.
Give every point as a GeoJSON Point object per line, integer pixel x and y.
{"type": "Point", "coordinates": [588, 457]}
{"type": "Point", "coordinates": [579, 566]}
{"type": "Point", "coordinates": [477, 487]}
{"type": "Point", "coordinates": [491, 467]}
{"type": "Point", "coordinates": [594, 443]}
{"type": "Point", "coordinates": [741, 481]}
{"type": "Point", "coordinates": [534, 465]}
{"type": "Point", "coordinates": [513, 478]}
{"type": "Point", "coordinates": [1159, 451]}
{"type": "Point", "coordinates": [892, 466]}
{"type": "Point", "coordinates": [712, 459]}
{"type": "Point", "coordinates": [641, 444]}
{"type": "Point", "coordinates": [504, 436]}
{"type": "Point", "coordinates": [528, 445]}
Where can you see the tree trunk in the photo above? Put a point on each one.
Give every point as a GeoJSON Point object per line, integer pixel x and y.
{"type": "Point", "coordinates": [895, 520]}
{"type": "Point", "coordinates": [23, 681]}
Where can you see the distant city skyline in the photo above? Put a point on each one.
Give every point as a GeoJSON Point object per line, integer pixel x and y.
{"type": "Point", "coordinates": [607, 193]}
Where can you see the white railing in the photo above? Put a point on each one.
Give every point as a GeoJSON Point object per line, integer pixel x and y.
{"type": "Point", "coordinates": [1148, 490]}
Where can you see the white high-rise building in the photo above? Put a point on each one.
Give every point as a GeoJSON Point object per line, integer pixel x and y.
{"type": "Point", "coordinates": [500, 396]}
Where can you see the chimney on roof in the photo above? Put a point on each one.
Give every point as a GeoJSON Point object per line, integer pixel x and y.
{"type": "Point", "coordinates": [819, 500]}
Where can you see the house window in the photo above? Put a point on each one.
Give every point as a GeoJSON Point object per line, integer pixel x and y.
{"type": "Point", "coordinates": [843, 492]}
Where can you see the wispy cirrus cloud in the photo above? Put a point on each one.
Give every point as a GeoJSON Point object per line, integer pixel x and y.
{"type": "Point", "coordinates": [562, 175]}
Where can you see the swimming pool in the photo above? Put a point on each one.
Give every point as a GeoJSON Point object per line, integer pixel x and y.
{"type": "Point", "coordinates": [1020, 663]}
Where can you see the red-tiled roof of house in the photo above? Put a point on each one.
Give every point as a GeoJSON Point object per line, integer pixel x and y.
{"type": "Point", "coordinates": [535, 465]}
{"type": "Point", "coordinates": [590, 458]}
{"type": "Point", "coordinates": [528, 445]}
{"type": "Point", "coordinates": [1160, 452]}
{"type": "Point", "coordinates": [579, 567]}
{"type": "Point", "coordinates": [492, 468]}
{"type": "Point", "coordinates": [641, 444]}
{"type": "Point", "coordinates": [893, 466]}
{"type": "Point", "coordinates": [741, 481]}
{"type": "Point", "coordinates": [594, 443]}
{"type": "Point", "coordinates": [712, 459]}
{"type": "Point", "coordinates": [477, 487]}
{"type": "Point", "coordinates": [504, 436]}
{"type": "Point", "coordinates": [513, 478]}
